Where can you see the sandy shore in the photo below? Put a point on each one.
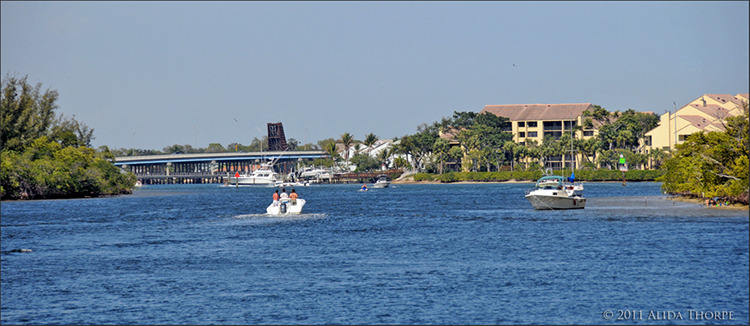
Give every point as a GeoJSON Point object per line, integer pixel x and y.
{"type": "Point", "coordinates": [703, 202]}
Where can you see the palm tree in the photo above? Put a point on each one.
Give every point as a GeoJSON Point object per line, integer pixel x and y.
{"type": "Point", "coordinates": [370, 140]}
{"type": "Point", "coordinates": [385, 155]}
{"type": "Point", "coordinates": [510, 146]}
{"type": "Point", "coordinates": [330, 149]}
{"type": "Point", "coordinates": [440, 149]}
{"type": "Point", "coordinates": [347, 140]}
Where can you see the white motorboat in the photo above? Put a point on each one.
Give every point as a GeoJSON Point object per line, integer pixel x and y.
{"type": "Point", "coordinates": [382, 182]}
{"type": "Point", "coordinates": [311, 172]}
{"type": "Point", "coordinates": [263, 176]}
{"type": "Point", "coordinates": [286, 206]}
{"type": "Point", "coordinates": [552, 193]}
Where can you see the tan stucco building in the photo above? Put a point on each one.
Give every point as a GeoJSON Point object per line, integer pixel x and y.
{"type": "Point", "coordinates": [706, 113]}
{"type": "Point", "coordinates": [534, 121]}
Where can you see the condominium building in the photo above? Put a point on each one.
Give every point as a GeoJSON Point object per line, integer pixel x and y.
{"type": "Point", "coordinates": [535, 121]}
{"type": "Point", "coordinates": [706, 113]}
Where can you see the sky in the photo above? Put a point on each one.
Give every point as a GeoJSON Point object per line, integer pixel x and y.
{"type": "Point", "coordinates": [153, 74]}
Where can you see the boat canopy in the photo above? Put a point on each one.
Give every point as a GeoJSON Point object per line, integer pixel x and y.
{"type": "Point", "coordinates": [550, 180]}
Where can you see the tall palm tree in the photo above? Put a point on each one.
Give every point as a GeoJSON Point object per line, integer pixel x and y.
{"type": "Point", "coordinates": [330, 149]}
{"type": "Point", "coordinates": [510, 146]}
{"type": "Point", "coordinates": [370, 140]}
{"type": "Point", "coordinates": [347, 140]}
{"type": "Point", "coordinates": [440, 149]}
{"type": "Point", "coordinates": [385, 155]}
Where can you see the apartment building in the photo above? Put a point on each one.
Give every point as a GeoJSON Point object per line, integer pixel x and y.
{"type": "Point", "coordinates": [706, 113]}
{"type": "Point", "coordinates": [535, 121]}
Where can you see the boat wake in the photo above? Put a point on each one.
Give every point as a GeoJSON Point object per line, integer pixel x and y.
{"type": "Point", "coordinates": [269, 218]}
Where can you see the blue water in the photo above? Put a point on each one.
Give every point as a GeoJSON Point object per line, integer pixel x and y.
{"type": "Point", "coordinates": [409, 254]}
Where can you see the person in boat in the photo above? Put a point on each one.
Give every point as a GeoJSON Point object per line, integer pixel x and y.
{"type": "Point", "coordinates": [293, 196]}
{"type": "Point", "coordinates": [364, 186]}
{"type": "Point", "coordinates": [284, 195]}
{"type": "Point", "coordinates": [276, 198]}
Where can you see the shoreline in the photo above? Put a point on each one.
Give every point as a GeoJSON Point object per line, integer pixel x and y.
{"type": "Point", "coordinates": [673, 198]}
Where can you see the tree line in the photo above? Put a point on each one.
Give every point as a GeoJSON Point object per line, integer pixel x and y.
{"type": "Point", "coordinates": [45, 155]}
{"type": "Point", "coordinates": [486, 143]}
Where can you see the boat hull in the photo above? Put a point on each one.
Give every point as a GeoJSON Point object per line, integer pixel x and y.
{"type": "Point", "coordinates": [381, 185]}
{"type": "Point", "coordinates": [251, 181]}
{"type": "Point", "coordinates": [547, 202]}
{"type": "Point", "coordinates": [291, 208]}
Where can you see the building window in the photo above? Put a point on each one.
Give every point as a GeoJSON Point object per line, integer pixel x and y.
{"type": "Point", "coordinates": [682, 137]}
{"type": "Point", "coordinates": [521, 124]}
{"type": "Point", "coordinates": [552, 125]}
{"type": "Point", "coordinates": [532, 124]}
{"type": "Point", "coordinates": [568, 123]}
{"type": "Point", "coordinates": [556, 134]}
{"type": "Point", "coordinates": [532, 133]}
{"type": "Point", "coordinates": [522, 134]}
{"type": "Point", "coordinates": [588, 133]}
{"type": "Point", "coordinates": [523, 143]}
{"type": "Point", "coordinates": [648, 141]}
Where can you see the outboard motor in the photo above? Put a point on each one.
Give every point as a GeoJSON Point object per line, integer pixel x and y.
{"type": "Point", "coordinates": [283, 207]}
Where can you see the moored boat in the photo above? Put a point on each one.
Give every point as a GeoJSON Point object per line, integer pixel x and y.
{"type": "Point", "coordinates": [551, 193]}
{"type": "Point", "coordinates": [263, 176]}
{"type": "Point", "coordinates": [382, 182]}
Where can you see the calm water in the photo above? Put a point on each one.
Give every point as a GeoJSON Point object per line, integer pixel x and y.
{"type": "Point", "coordinates": [410, 254]}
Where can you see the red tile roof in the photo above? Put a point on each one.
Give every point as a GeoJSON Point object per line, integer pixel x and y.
{"type": "Point", "coordinates": [533, 112]}
{"type": "Point", "coordinates": [723, 98]}
{"type": "Point", "coordinates": [713, 110]}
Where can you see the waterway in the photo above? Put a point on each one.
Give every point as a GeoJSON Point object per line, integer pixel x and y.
{"type": "Point", "coordinates": [409, 254]}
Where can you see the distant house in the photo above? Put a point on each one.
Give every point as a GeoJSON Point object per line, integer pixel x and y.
{"type": "Point", "coordinates": [706, 113]}
{"type": "Point", "coordinates": [373, 151]}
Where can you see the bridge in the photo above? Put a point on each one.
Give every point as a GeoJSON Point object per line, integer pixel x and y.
{"type": "Point", "coordinates": [208, 167]}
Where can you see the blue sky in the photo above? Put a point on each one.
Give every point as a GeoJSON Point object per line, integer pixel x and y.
{"type": "Point", "coordinates": [157, 69]}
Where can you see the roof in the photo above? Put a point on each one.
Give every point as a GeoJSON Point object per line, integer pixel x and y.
{"type": "Point", "coordinates": [723, 98]}
{"type": "Point", "coordinates": [524, 112]}
{"type": "Point", "coordinates": [699, 121]}
{"type": "Point", "coordinates": [712, 110]}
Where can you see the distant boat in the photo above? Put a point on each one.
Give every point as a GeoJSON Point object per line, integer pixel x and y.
{"type": "Point", "coordinates": [265, 175]}
{"type": "Point", "coordinates": [382, 182]}
{"type": "Point", "coordinates": [550, 192]}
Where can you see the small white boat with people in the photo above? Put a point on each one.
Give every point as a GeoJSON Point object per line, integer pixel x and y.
{"type": "Point", "coordinates": [286, 204]}
{"type": "Point", "coordinates": [552, 192]}
{"type": "Point", "coordinates": [382, 182]}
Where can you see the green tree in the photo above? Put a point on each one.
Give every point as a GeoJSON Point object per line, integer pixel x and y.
{"type": "Point", "coordinates": [347, 140]}
{"type": "Point", "coordinates": [384, 156]}
{"type": "Point", "coordinates": [332, 151]}
{"type": "Point", "coordinates": [47, 158]}
{"type": "Point", "coordinates": [370, 139]}
{"type": "Point", "coordinates": [26, 113]}
{"type": "Point", "coordinates": [215, 148]}
{"type": "Point", "coordinates": [440, 150]}
{"type": "Point", "coordinates": [70, 132]}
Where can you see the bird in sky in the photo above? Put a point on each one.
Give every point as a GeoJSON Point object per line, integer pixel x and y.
{"type": "Point", "coordinates": [235, 120]}
{"type": "Point", "coordinates": [514, 65]}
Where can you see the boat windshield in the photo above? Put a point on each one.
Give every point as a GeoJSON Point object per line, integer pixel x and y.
{"type": "Point", "coordinates": [549, 182]}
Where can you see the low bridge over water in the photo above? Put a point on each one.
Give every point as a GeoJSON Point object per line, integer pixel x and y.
{"type": "Point", "coordinates": [208, 167]}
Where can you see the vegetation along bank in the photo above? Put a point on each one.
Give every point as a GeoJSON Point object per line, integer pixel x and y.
{"type": "Point", "coordinates": [45, 155]}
